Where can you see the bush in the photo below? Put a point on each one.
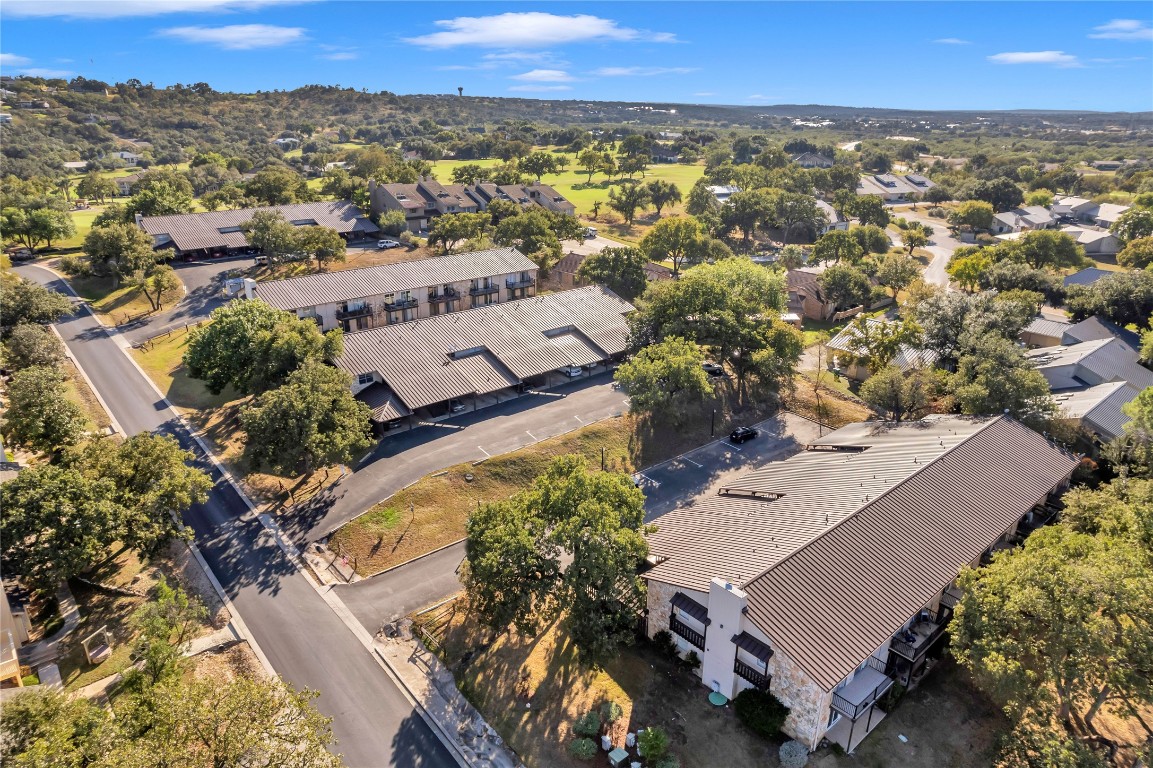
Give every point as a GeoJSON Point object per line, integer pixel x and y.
{"type": "Point", "coordinates": [75, 266]}
{"type": "Point", "coordinates": [611, 712]}
{"type": "Point", "coordinates": [793, 754]}
{"type": "Point", "coordinates": [760, 711]}
{"type": "Point", "coordinates": [668, 761]}
{"type": "Point", "coordinates": [901, 222]}
{"type": "Point", "coordinates": [986, 239]}
{"type": "Point", "coordinates": [392, 223]}
{"type": "Point", "coordinates": [693, 661]}
{"type": "Point", "coordinates": [582, 749]}
{"type": "Point", "coordinates": [654, 745]}
{"type": "Point", "coordinates": [664, 643]}
{"type": "Point", "coordinates": [405, 238]}
{"type": "Point", "coordinates": [588, 724]}
{"type": "Point", "coordinates": [937, 212]}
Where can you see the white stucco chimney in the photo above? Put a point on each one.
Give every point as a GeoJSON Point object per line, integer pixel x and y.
{"type": "Point", "coordinates": [726, 605]}
{"type": "Point", "coordinates": [249, 288]}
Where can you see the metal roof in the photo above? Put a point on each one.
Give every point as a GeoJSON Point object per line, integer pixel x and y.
{"type": "Point", "coordinates": [348, 284]}
{"type": "Point", "coordinates": [1090, 362]}
{"type": "Point", "coordinates": [841, 544]}
{"type": "Point", "coordinates": [384, 404]}
{"type": "Point", "coordinates": [193, 231]}
{"type": "Point", "coordinates": [750, 644]}
{"type": "Point", "coordinates": [691, 607]}
{"type": "Point", "coordinates": [486, 349]}
{"type": "Point", "coordinates": [1086, 276]}
{"type": "Point", "coordinates": [1099, 407]}
{"type": "Point", "coordinates": [1043, 326]}
{"type": "Point", "coordinates": [907, 356]}
{"type": "Point", "coordinates": [1092, 328]}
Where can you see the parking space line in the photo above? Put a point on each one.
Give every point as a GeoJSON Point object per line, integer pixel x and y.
{"type": "Point", "coordinates": [655, 483]}
{"type": "Point", "coordinates": [698, 466]}
{"type": "Point", "coordinates": [578, 418]}
{"type": "Point", "coordinates": [735, 448]}
{"type": "Point", "coordinates": [530, 434]}
{"type": "Point", "coordinates": [487, 455]}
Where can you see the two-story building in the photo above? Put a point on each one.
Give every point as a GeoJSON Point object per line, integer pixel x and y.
{"type": "Point", "coordinates": [369, 297]}
{"type": "Point", "coordinates": [893, 188]}
{"type": "Point", "coordinates": [828, 577]}
{"type": "Point", "coordinates": [426, 199]}
{"type": "Point", "coordinates": [440, 365]}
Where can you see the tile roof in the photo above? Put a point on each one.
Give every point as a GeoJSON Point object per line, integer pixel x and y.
{"type": "Point", "coordinates": [193, 231]}
{"type": "Point", "coordinates": [834, 601]}
{"type": "Point", "coordinates": [486, 349]}
{"type": "Point", "coordinates": [337, 287]}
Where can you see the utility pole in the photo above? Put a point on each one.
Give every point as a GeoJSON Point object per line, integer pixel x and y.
{"type": "Point", "coordinates": [713, 424]}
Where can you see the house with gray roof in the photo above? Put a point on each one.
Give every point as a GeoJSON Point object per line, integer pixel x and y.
{"type": "Point", "coordinates": [1024, 219]}
{"type": "Point", "coordinates": [892, 188]}
{"type": "Point", "coordinates": [485, 355]}
{"type": "Point", "coordinates": [369, 297]}
{"type": "Point", "coordinates": [847, 349]}
{"type": "Point", "coordinates": [217, 233]}
{"type": "Point", "coordinates": [829, 577]}
{"type": "Point", "coordinates": [428, 198]}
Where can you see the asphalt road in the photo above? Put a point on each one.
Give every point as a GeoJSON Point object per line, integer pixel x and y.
{"type": "Point", "coordinates": [298, 632]}
{"type": "Point", "coordinates": [943, 245]}
{"type": "Point", "coordinates": [403, 458]}
{"type": "Point", "coordinates": [204, 283]}
{"type": "Point", "coordinates": [397, 593]}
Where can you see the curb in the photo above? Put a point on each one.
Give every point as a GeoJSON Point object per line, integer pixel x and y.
{"type": "Point", "coordinates": [84, 375]}
{"type": "Point", "coordinates": [413, 560]}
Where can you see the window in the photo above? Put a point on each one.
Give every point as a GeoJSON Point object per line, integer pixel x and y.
{"type": "Point", "coordinates": [306, 312]}
{"type": "Point", "coordinates": [364, 378]}
{"type": "Point", "coordinates": [355, 306]}
{"type": "Point", "coordinates": [390, 298]}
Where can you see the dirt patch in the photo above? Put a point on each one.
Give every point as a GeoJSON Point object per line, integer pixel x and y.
{"type": "Point", "coordinates": [533, 690]}
{"type": "Point", "coordinates": [79, 392]}
{"type": "Point", "coordinates": [835, 408]}
{"type": "Point", "coordinates": [228, 664]}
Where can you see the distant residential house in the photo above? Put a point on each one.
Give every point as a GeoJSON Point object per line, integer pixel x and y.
{"type": "Point", "coordinates": [222, 232]}
{"type": "Point", "coordinates": [124, 183]}
{"type": "Point", "coordinates": [33, 104]}
{"type": "Point", "coordinates": [75, 165]}
{"type": "Point", "coordinates": [564, 272]}
{"type": "Point", "coordinates": [1024, 219]}
{"type": "Point", "coordinates": [893, 188]}
{"type": "Point", "coordinates": [834, 220]}
{"type": "Point", "coordinates": [1092, 380]}
{"type": "Point", "coordinates": [531, 195]}
{"type": "Point", "coordinates": [664, 153]}
{"type": "Point", "coordinates": [908, 357]}
{"type": "Point", "coordinates": [286, 143]}
{"type": "Point", "coordinates": [371, 297]}
{"type": "Point", "coordinates": [1086, 276]}
{"type": "Point", "coordinates": [1086, 211]}
{"type": "Point", "coordinates": [128, 158]}
{"type": "Point", "coordinates": [5, 117]}
{"type": "Point", "coordinates": [1095, 242]}
{"type": "Point", "coordinates": [1108, 165]}
{"type": "Point", "coordinates": [722, 192]}
{"type": "Point", "coordinates": [412, 154]}
{"type": "Point", "coordinates": [1047, 332]}
{"type": "Point", "coordinates": [1108, 213]}
{"type": "Point", "coordinates": [670, 136]}
{"type": "Point", "coordinates": [14, 630]}
{"type": "Point", "coordinates": [830, 577]}
{"type": "Point", "coordinates": [812, 160]}
{"type": "Point", "coordinates": [805, 296]}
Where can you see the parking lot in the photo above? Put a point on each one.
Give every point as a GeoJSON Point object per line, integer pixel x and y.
{"type": "Point", "coordinates": [681, 481]}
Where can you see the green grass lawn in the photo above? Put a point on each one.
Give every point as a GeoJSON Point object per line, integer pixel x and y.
{"type": "Point", "coordinates": [114, 304]}
{"type": "Point", "coordinates": [163, 361]}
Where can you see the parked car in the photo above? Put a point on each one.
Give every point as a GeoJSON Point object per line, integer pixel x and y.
{"type": "Point", "coordinates": [713, 369]}
{"type": "Point", "coordinates": [386, 244]}
{"type": "Point", "coordinates": [572, 371]}
{"type": "Point", "coordinates": [394, 424]}
{"type": "Point", "coordinates": [455, 406]}
{"type": "Point", "coordinates": [743, 434]}
{"type": "Point", "coordinates": [260, 261]}
{"type": "Point", "coordinates": [590, 232]}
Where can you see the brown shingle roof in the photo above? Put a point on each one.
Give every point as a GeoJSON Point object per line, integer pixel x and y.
{"type": "Point", "coordinates": [336, 287]}
{"type": "Point", "coordinates": [193, 231]}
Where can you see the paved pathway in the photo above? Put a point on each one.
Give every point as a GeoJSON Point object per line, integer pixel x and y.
{"type": "Point", "coordinates": [398, 592]}
{"type": "Point", "coordinates": [46, 650]}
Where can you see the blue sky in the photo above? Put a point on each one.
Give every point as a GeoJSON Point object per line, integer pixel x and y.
{"type": "Point", "coordinates": [940, 55]}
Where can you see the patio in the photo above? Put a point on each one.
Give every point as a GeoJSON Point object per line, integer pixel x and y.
{"type": "Point", "coordinates": [845, 728]}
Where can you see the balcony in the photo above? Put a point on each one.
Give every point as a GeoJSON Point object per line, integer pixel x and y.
{"type": "Point", "coordinates": [678, 627]}
{"type": "Point", "coordinates": [449, 294]}
{"type": "Point", "coordinates": [345, 313]}
{"type": "Point", "coordinates": [399, 304]}
{"type": "Point", "coordinates": [867, 686]}
{"type": "Point", "coordinates": [914, 642]}
{"type": "Point", "coordinates": [481, 290]}
{"type": "Point", "coordinates": [519, 282]}
{"type": "Point", "coordinates": [752, 674]}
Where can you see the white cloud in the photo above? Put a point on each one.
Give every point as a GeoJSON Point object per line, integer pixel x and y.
{"type": "Point", "coordinates": [539, 88]}
{"type": "Point", "coordinates": [642, 71]}
{"type": "Point", "coordinates": [44, 72]}
{"type": "Point", "coordinates": [12, 60]}
{"type": "Point", "coordinates": [238, 37]}
{"type": "Point", "coordinates": [1121, 60]}
{"type": "Point", "coordinates": [1124, 29]}
{"type": "Point", "coordinates": [114, 9]}
{"type": "Point", "coordinates": [532, 30]}
{"type": "Point", "coordinates": [544, 76]}
{"type": "Point", "coordinates": [761, 97]}
{"type": "Point", "coordinates": [952, 41]}
{"type": "Point", "coordinates": [704, 93]}
{"type": "Point", "coordinates": [340, 56]}
{"type": "Point", "coordinates": [525, 57]}
{"type": "Point", "coordinates": [1056, 58]}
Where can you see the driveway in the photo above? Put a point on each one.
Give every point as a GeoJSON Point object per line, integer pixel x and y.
{"type": "Point", "coordinates": [943, 245]}
{"type": "Point", "coordinates": [396, 593]}
{"type": "Point", "coordinates": [204, 282]}
{"type": "Point", "coordinates": [590, 245]}
{"type": "Point", "coordinates": [404, 458]}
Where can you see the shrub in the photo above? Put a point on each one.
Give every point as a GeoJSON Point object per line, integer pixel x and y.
{"type": "Point", "coordinates": [75, 266]}
{"type": "Point", "coordinates": [760, 711]}
{"type": "Point", "coordinates": [611, 712]}
{"type": "Point", "coordinates": [588, 724]}
{"type": "Point", "coordinates": [405, 238]}
{"type": "Point", "coordinates": [693, 661]}
{"type": "Point", "coordinates": [654, 744]}
{"type": "Point", "coordinates": [664, 643]}
{"type": "Point", "coordinates": [986, 239]}
{"type": "Point", "coordinates": [793, 754]}
{"type": "Point", "coordinates": [668, 761]}
{"type": "Point", "coordinates": [392, 223]}
{"type": "Point", "coordinates": [582, 749]}
{"type": "Point", "coordinates": [901, 222]}
{"type": "Point", "coordinates": [937, 212]}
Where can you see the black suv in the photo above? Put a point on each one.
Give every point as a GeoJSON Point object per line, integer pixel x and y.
{"type": "Point", "coordinates": [743, 434]}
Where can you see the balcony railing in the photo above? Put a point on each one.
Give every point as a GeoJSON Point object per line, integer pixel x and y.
{"type": "Point", "coordinates": [344, 313]}
{"type": "Point", "coordinates": [752, 674]}
{"type": "Point", "coordinates": [688, 633]}
{"type": "Point", "coordinates": [481, 290]}
{"type": "Point", "coordinates": [853, 711]}
{"type": "Point", "coordinates": [399, 304]}
{"type": "Point", "coordinates": [518, 282]}
{"type": "Point", "coordinates": [913, 644]}
{"type": "Point", "coordinates": [446, 295]}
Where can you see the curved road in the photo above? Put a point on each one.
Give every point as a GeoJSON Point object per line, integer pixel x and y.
{"type": "Point", "coordinates": [307, 644]}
